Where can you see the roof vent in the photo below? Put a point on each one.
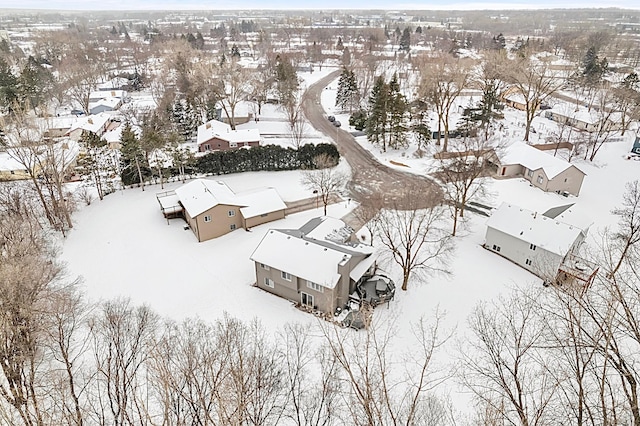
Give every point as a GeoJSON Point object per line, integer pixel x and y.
{"type": "Point", "coordinates": [208, 126]}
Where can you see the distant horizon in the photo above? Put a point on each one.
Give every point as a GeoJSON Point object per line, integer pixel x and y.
{"type": "Point", "coordinates": [283, 5]}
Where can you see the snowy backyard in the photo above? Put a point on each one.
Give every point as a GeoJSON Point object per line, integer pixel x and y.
{"type": "Point", "coordinates": [123, 247]}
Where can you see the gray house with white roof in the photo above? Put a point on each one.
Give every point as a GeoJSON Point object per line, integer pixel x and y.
{"type": "Point", "coordinates": [542, 170]}
{"type": "Point", "coordinates": [538, 242]}
{"type": "Point", "coordinates": [317, 266]}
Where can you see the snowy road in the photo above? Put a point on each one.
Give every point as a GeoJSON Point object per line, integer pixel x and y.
{"type": "Point", "coordinates": [369, 176]}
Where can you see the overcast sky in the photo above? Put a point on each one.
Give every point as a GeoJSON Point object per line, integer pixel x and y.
{"type": "Point", "coordinates": [310, 4]}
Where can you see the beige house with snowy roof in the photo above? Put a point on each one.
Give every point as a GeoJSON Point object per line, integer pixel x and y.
{"type": "Point", "coordinates": [212, 209]}
{"type": "Point", "coordinates": [538, 242]}
{"type": "Point", "coordinates": [215, 135]}
{"type": "Point", "coordinates": [317, 266]}
{"type": "Point", "coordinates": [541, 169]}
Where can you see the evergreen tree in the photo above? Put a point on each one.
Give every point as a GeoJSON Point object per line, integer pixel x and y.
{"type": "Point", "coordinates": [418, 29]}
{"type": "Point", "coordinates": [199, 44]}
{"type": "Point", "coordinates": [133, 168]}
{"type": "Point", "coordinates": [347, 90]}
{"type": "Point", "coordinates": [96, 163]}
{"type": "Point", "coordinates": [339, 45]}
{"type": "Point", "coordinates": [378, 117]}
{"type": "Point", "coordinates": [34, 81]}
{"type": "Point", "coordinates": [397, 112]}
{"type": "Point", "coordinates": [235, 52]}
{"type": "Point", "coordinates": [8, 86]}
{"type": "Point", "coordinates": [405, 40]}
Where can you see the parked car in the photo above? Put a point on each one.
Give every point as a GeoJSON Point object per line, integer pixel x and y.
{"type": "Point", "coordinates": [77, 112]}
{"type": "Point", "coordinates": [337, 123]}
{"type": "Point", "coordinates": [331, 118]}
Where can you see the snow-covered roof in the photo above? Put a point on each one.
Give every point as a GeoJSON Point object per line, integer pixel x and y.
{"type": "Point", "coordinates": [217, 129]}
{"type": "Point", "coordinates": [550, 234]}
{"type": "Point", "coordinates": [258, 202]}
{"type": "Point", "coordinates": [112, 103]}
{"type": "Point", "coordinates": [328, 228]}
{"type": "Point", "coordinates": [8, 163]}
{"type": "Point", "coordinates": [534, 159]}
{"type": "Point", "coordinates": [102, 94]}
{"type": "Point", "coordinates": [200, 195]}
{"type": "Point", "coordinates": [308, 258]}
{"type": "Point", "coordinates": [92, 123]}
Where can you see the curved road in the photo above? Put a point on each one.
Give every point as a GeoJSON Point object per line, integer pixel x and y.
{"type": "Point", "coordinates": [369, 176]}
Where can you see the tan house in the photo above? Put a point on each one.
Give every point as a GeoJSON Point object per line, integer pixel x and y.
{"type": "Point", "coordinates": [581, 119]}
{"type": "Point", "coordinates": [97, 124]}
{"type": "Point", "coordinates": [212, 209]}
{"type": "Point", "coordinates": [542, 170]}
{"type": "Point", "coordinates": [317, 266]}
{"type": "Point", "coordinates": [215, 135]}
{"type": "Point", "coordinates": [513, 98]}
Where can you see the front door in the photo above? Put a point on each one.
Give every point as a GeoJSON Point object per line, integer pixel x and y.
{"type": "Point", "coordinates": [307, 299]}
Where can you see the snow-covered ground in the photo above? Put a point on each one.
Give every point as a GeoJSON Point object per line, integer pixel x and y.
{"type": "Point", "coordinates": [123, 246]}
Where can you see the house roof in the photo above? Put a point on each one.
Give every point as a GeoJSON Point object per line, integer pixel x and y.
{"type": "Point", "coordinates": [534, 159]}
{"type": "Point", "coordinates": [313, 259]}
{"type": "Point", "coordinates": [92, 123]}
{"type": "Point", "coordinates": [8, 163]}
{"type": "Point", "coordinates": [218, 129]}
{"type": "Point", "coordinates": [201, 195]}
{"type": "Point", "coordinates": [306, 258]}
{"type": "Point", "coordinates": [112, 103]}
{"type": "Point", "coordinates": [260, 202]}
{"type": "Point", "coordinates": [550, 234]}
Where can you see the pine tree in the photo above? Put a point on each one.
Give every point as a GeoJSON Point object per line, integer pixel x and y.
{"type": "Point", "coordinates": [378, 114]}
{"type": "Point", "coordinates": [339, 45]}
{"type": "Point", "coordinates": [8, 86]}
{"type": "Point", "coordinates": [405, 40]}
{"type": "Point", "coordinates": [96, 161]}
{"type": "Point", "coordinates": [133, 159]}
{"type": "Point", "coordinates": [397, 110]}
{"type": "Point", "coordinates": [235, 52]}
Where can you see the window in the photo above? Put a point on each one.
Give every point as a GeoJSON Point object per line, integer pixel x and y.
{"type": "Point", "coordinates": [532, 246]}
{"type": "Point", "coordinates": [306, 299]}
{"type": "Point", "coordinates": [565, 180]}
{"type": "Point", "coordinates": [232, 226]}
{"type": "Point", "coordinates": [207, 147]}
{"type": "Point", "coordinates": [540, 179]}
{"type": "Point", "coordinates": [286, 276]}
{"type": "Point", "coordinates": [496, 248]}
{"type": "Point", "coordinates": [530, 173]}
{"type": "Point", "coordinates": [264, 215]}
{"type": "Point", "coordinates": [207, 218]}
{"type": "Point", "coordinates": [265, 267]}
{"type": "Point", "coordinates": [527, 262]}
{"type": "Point", "coordinates": [233, 145]}
{"type": "Point", "coordinates": [314, 286]}
{"type": "Point", "coordinates": [268, 282]}
{"type": "Point", "coordinates": [231, 213]}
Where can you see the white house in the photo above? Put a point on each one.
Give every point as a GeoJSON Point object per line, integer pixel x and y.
{"type": "Point", "coordinates": [537, 242]}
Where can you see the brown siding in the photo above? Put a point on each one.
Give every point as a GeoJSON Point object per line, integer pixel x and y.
{"type": "Point", "coordinates": [216, 144]}
{"type": "Point", "coordinates": [259, 220]}
{"type": "Point", "coordinates": [220, 222]}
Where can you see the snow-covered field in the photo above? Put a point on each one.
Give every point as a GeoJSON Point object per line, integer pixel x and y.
{"type": "Point", "coordinates": [124, 247]}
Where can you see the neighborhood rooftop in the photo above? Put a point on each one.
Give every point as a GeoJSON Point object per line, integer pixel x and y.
{"type": "Point", "coordinates": [551, 234]}
{"type": "Point", "coordinates": [217, 129]}
{"type": "Point", "coordinates": [534, 159]}
{"type": "Point", "coordinates": [200, 195]}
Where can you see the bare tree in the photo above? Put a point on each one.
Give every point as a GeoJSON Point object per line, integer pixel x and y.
{"type": "Point", "coordinates": [462, 173]}
{"type": "Point", "coordinates": [442, 81]}
{"type": "Point", "coordinates": [326, 179]}
{"type": "Point", "coordinates": [414, 237]}
{"type": "Point", "coordinates": [121, 335]}
{"type": "Point", "coordinates": [500, 364]}
{"type": "Point", "coordinates": [373, 394]}
{"type": "Point", "coordinates": [532, 79]}
{"type": "Point", "coordinates": [233, 88]}
{"type": "Point", "coordinates": [607, 123]}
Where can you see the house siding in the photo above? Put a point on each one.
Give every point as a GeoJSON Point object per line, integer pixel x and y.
{"type": "Point", "coordinates": [259, 220]}
{"type": "Point", "coordinates": [220, 222]}
{"type": "Point", "coordinates": [573, 177]}
{"type": "Point", "coordinates": [292, 290]}
{"type": "Point", "coordinates": [544, 264]}
{"type": "Point", "coordinates": [217, 144]}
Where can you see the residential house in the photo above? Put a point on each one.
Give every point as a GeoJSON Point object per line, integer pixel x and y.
{"type": "Point", "coordinates": [104, 105]}
{"type": "Point", "coordinates": [537, 242]}
{"type": "Point", "coordinates": [215, 135]}
{"type": "Point", "coordinates": [542, 170]}
{"type": "Point", "coordinates": [581, 119]}
{"type": "Point", "coordinates": [11, 169]}
{"type": "Point", "coordinates": [212, 209]}
{"type": "Point", "coordinates": [97, 124]}
{"type": "Point", "coordinates": [513, 98]}
{"type": "Point", "coordinates": [317, 266]}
